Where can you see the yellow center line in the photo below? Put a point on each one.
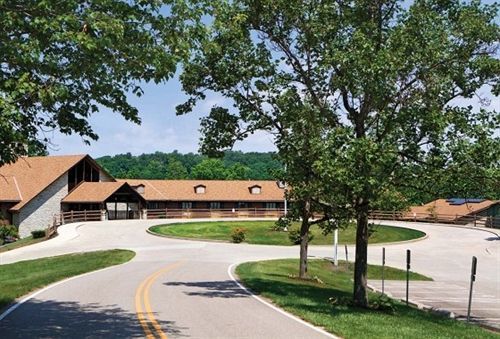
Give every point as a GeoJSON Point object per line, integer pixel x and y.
{"type": "Point", "coordinates": [142, 295]}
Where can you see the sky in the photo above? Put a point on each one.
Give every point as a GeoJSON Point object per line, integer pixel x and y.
{"type": "Point", "coordinates": [161, 130]}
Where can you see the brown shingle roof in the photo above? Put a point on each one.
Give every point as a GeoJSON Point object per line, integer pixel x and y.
{"type": "Point", "coordinates": [34, 174]}
{"type": "Point", "coordinates": [9, 189]}
{"type": "Point", "coordinates": [442, 207]}
{"type": "Point", "coordinates": [216, 190]}
{"type": "Point", "coordinates": [92, 192]}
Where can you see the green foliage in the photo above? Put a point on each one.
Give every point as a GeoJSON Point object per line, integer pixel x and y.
{"type": "Point", "coordinates": [238, 235]}
{"type": "Point", "coordinates": [235, 165]}
{"type": "Point", "coordinates": [383, 303]}
{"type": "Point", "coordinates": [62, 60]}
{"type": "Point", "coordinates": [368, 104]}
{"type": "Point", "coordinates": [8, 231]}
{"type": "Point", "coordinates": [294, 236]}
{"type": "Point", "coordinates": [282, 224]}
{"type": "Point", "coordinates": [209, 169]}
{"type": "Point", "coordinates": [176, 170]}
{"type": "Point", "coordinates": [38, 234]}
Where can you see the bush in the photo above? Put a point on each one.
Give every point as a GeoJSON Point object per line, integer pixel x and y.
{"type": "Point", "coordinates": [282, 224]}
{"type": "Point", "coordinates": [8, 232]}
{"type": "Point", "coordinates": [294, 236]}
{"type": "Point", "coordinates": [38, 234]}
{"type": "Point", "coordinates": [238, 235]}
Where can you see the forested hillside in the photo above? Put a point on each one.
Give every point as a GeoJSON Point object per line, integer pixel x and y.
{"type": "Point", "coordinates": [234, 165]}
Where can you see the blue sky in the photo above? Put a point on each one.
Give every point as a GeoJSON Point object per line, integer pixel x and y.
{"type": "Point", "coordinates": [161, 129]}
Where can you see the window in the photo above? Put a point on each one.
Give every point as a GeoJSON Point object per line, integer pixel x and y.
{"type": "Point", "coordinates": [153, 205]}
{"type": "Point", "coordinates": [200, 189]}
{"type": "Point", "coordinates": [255, 189]}
{"type": "Point", "coordinates": [186, 205]}
{"type": "Point", "coordinates": [242, 204]}
{"type": "Point", "coordinates": [271, 205]}
{"type": "Point", "coordinates": [215, 205]}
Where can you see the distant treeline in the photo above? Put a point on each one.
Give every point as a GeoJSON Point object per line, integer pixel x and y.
{"type": "Point", "coordinates": [158, 165]}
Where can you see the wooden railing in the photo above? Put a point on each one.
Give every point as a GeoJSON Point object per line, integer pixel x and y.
{"type": "Point", "coordinates": [214, 213]}
{"type": "Point", "coordinates": [69, 217]}
{"type": "Point", "coordinates": [471, 220]}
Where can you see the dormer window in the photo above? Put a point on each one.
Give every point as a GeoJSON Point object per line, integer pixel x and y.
{"type": "Point", "coordinates": [139, 188]}
{"type": "Point", "coordinates": [200, 189]}
{"type": "Point", "coordinates": [256, 189]}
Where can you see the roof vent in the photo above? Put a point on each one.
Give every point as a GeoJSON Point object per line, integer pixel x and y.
{"type": "Point", "coordinates": [200, 189]}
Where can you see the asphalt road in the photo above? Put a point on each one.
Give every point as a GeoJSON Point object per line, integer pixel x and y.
{"type": "Point", "coordinates": [180, 288]}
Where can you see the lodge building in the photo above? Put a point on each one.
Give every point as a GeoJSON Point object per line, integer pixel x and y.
{"type": "Point", "coordinates": [34, 189]}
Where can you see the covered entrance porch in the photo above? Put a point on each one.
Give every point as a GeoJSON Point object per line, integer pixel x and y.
{"type": "Point", "coordinates": [117, 200]}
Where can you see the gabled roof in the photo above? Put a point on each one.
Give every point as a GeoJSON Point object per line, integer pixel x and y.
{"type": "Point", "coordinates": [447, 207]}
{"type": "Point", "coordinates": [216, 190]}
{"type": "Point", "coordinates": [94, 192]}
{"type": "Point", "coordinates": [9, 190]}
{"type": "Point", "coordinates": [33, 175]}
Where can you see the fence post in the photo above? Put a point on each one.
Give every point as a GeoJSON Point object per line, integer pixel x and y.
{"type": "Point", "coordinates": [84, 215]}
{"type": "Point", "coordinates": [475, 220]}
{"type": "Point", "coordinates": [71, 215]}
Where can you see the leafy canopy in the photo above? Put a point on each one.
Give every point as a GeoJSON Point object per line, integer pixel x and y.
{"type": "Point", "coordinates": [63, 60]}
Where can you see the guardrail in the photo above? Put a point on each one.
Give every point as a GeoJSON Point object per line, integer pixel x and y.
{"type": "Point", "coordinates": [214, 213]}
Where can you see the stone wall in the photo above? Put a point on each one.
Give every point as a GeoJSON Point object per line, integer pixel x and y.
{"type": "Point", "coordinates": [39, 212]}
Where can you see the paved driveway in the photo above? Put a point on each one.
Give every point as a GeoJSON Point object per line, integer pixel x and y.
{"type": "Point", "coordinates": [192, 293]}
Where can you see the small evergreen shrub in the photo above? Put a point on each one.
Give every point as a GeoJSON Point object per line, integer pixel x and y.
{"type": "Point", "coordinates": [294, 236]}
{"type": "Point", "coordinates": [38, 234]}
{"type": "Point", "coordinates": [282, 224]}
{"type": "Point", "coordinates": [238, 235]}
{"type": "Point", "coordinates": [8, 233]}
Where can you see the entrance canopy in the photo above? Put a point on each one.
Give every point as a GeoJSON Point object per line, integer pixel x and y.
{"type": "Point", "coordinates": [121, 200]}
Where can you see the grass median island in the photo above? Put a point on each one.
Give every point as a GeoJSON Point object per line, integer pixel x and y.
{"type": "Point", "coordinates": [23, 277]}
{"type": "Point", "coordinates": [259, 232]}
{"type": "Point", "coordinates": [325, 301]}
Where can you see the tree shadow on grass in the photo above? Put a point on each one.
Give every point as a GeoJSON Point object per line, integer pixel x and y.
{"type": "Point", "coordinates": [54, 319]}
{"type": "Point", "coordinates": [212, 289]}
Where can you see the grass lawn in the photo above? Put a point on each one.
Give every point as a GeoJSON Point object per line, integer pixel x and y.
{"type": "Point", "coordinates": [20, 243]}
{"type": "Point", "coordinates": [20, 278]}
{"type": "Point", "coordinates": [258, 232]}
{"type": "Point", "coordinates": [310, 301]}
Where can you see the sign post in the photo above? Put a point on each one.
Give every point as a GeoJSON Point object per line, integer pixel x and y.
{"type": "Point", "coordinates": [335, 247]}
{"type": "Point", "coordinates": [346, 258]}
{"type": "Point", "coordinates": [472, 279]}
{"type": "Point", "coordinates": [408, 260]}
{"type": "Point", "coordinates": [383, 266]}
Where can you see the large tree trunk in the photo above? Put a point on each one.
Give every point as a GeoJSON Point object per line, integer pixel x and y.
{"type": "Point", "coordinates": [360, 266]}
{"type": "Point", "coordinates": [304, 239]}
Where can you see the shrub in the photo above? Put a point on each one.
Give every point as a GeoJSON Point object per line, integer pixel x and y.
{"type": "Point", "coordinates": [38, 234]}
{"type": "Point", "coordinates": [8, 232]}
{"type": "Point", "coordinates": [384, 303]}
{"type": "Point", "coordinates": [282, 224]}
{"type": "Point", "coordinates": [294, 236]}
{"type": "Point", "coordinates": [238, 235]}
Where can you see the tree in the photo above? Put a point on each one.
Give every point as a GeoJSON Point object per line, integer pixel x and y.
{"type": "Point", "coordinates": [176, 170]}
{"type": "Point", "coordinates": [383, 78]}
{"type": "Point", "coordinates": [63, 60]}
{"type": "Point", "coordinates": [209, 169]}
{"type": "Point", "coordinates": [237, 171]}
